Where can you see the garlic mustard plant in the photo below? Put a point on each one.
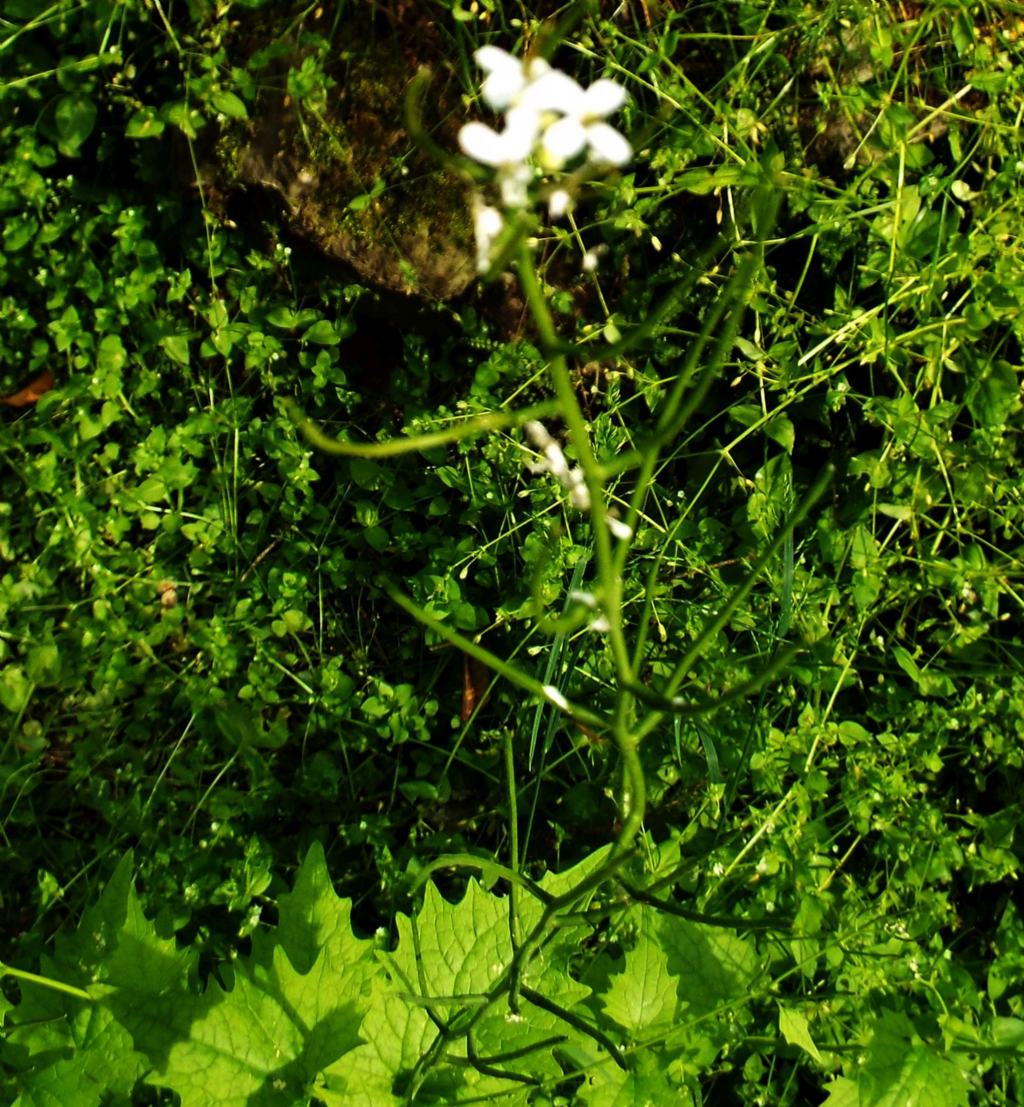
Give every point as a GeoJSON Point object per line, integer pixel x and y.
{"type": "Point", "coordinates": [582, 127]}
{"type": "Point", "coordinates": [571, 479]}
{"type": "Point", "coordinates": [550, 121]}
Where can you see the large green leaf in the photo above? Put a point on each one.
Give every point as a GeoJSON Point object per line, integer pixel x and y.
{"type": "Point", "coordinates": [313, 922]}
{"type": "Point", "coordinates": [900, 1071]}
{"type": "Point", "coordinates": [97, 1062]}
{"type": "Point", "coordinates": [645, 994]}
{"type": "Point", "coordinates": [266, 1041]}
{"type": "Point", "coordinates": [648, 1084]}
{"type": "Point", "coordinates": [66, 1051]}
{"type": "Point", "coordinates": [715, 966]}
{"type": "Point", "coordinates": [295, 1008]}
{"type": "Point", "coordinates": [449, 960]}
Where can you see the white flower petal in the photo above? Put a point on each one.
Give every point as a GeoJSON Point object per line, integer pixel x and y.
{"type": "Point", "coordinates": [514, 182]}
{"type": "Point", "coordinates": [520, 135]}
{"type": "Point", "coordinates": [487, 225]}
{"type": "Point", "coordinates": [618, 528]}
{"type": "Point", "coordinates": [603, 98]}
{"type": "Point", "coordinates": [482, 144]}
{"type": "Point", "coordinates": [554, 91]}
{"type": "Point", "coordinates": [505, 77]}
{"type": "Point", "coordinates": [491, 59]}
{"type": "Point", "coordinates": [579, 493]}
{"type": "Point", "coordinates": [536, 68]}
{"type": "Point", "coordinates": [501, 88]}
{"type": "Point", "coordinates": [489, 222]}
{"type": "Point", "coordinates": [537, 433]}
{"type": "Point", "coordinates": [559, 203]}
{"type": "Point", "coordinates": [552, 695]}
{"type": "Point", "coordinates": [607, 145]}
{"type": "Point", "coordinates": [564, 140]}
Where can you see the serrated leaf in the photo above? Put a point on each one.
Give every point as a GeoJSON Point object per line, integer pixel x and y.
{"type": "Point", "coordinates": [101, 1062]}
{"type": "Point", "coordinates": [139, 982]}
{"type": "Point", "coordinates": [842, 1093]}
{"type": "Point", "coordinates": [794, 1029]}
{"type": "Point", "coordinates": [267, 1040]}
{"type": "Point", "coordinates": [313, 920]}
{"type": "Point", "coordinates": [57, 1085]}
{"type": "Point", "coordinates": [447, 950]}
{"type": "Point", "coordinates": [645, 993]}
{"type": "Point", "coordinates": [78, 955]}
{"type": "Point", "coordinates": [395, 1034]}
{"type": "Point", "coordinates": [448, 958]}
{"type": "Point", "coordinates": [900, 1071]}
{"type": "Point", "coordinates": [714, 965]}
{"type": "Point", "coordinates": [463, 947]}
{"type": "Point", "coordinates": [68, 1052]}
{"type": "Point", "coordinates": [648, 1084]}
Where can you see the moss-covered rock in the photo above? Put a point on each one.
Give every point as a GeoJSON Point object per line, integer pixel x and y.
{"type": "Point", "coordinates": [328, 138]}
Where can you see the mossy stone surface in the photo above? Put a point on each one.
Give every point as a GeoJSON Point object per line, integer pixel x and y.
{"type": "Point", "coordinates": [352, 182]}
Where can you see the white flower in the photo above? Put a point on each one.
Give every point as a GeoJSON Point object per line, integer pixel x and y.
{"type": "Point", "coordinates": [559, 202]}
{"type": "Point", "coordinates": [572, 480]}
{"type": "Point", "coordinates": [553, 91]}
{"type": "Point", "coordinates": [507, 76]}
{"type": "Point", "coordinates": [549, 119]}
{"type": "Point", "coordinates": [552, 695]}
{"type": "Point", "coordinates": [487, 225]}
{"type": "Point", "coordinates": [514, 182]}
{"type": "Point", "coordinates": [582, 127]}
{"type": "Point", "coordinates": [507, 151]}
{"type": "Point", "coordinates": [618, 528]}
{"type": "Point", "coordinates": [512, 83]}
{"type": "Point", "coordinates": [512, 145]}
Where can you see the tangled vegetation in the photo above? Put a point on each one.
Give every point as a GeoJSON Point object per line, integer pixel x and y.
{"type": "Point", "coordinates": [717, 806]}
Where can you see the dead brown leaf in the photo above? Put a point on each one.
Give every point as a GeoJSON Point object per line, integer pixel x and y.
{"type": "Point", "coordinates": [32, 392]}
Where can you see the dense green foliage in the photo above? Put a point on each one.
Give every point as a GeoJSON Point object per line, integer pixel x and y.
{"type": "Point", "coordinates": [203, 665]}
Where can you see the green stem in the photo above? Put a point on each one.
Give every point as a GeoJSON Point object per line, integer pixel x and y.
{"type": "Point", "coordinates": [494, 420]}
{"type": "Point", "coordinates": [513, 837]}
{"type": "Point", "coordinates": [609, 562]}
{"type": "Point", "coordinates": [584, 1027]}
{"type": "Point", "coordinates": [493, 870]}
{"type": "Point", "coordinates": [688, 709]}
{"type": "Point", "coordinates": [569, 408]}
{"type": "Point", "coordinates": [45, 982]}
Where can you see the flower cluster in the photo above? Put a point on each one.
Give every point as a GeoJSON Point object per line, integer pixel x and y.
{"type": "Point", "coordinates": [549, 121]}
{"type": "Point", "coordinates": [570, 478]}
{"type": "Point", "coordinates": [554, 463]}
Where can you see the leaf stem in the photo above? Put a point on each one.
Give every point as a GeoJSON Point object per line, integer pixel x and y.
{"type": "Point", "coordinates": [393, 447]}
{"type": "Point", "coordinates": [45, 982]}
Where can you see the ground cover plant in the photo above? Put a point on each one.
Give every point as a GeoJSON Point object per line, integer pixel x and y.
{"type": "Point", "coordinates": [510, 619]}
